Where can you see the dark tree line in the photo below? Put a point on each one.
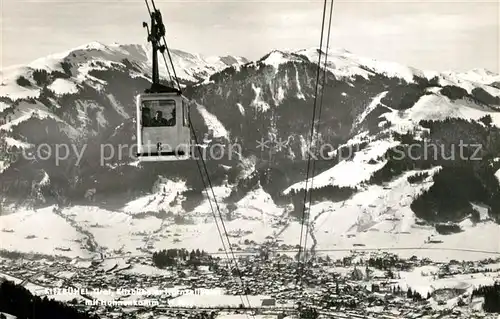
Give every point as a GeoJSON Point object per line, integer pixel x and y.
{"type": "Point", "coordinates": [491, 296]}
{"type": "Point", "coordinates": [383, 263]}
{"type": "Point", "coordinates": [329, 192]}
{"type": "Point", "coordinates": [34, 256]}
{"type": "Point", "coordinates": [417, 178]}
{"type": "Point", "coordinates": [308, 313]}
{"type": "Point", "coordinates": [454, 92]}
{"type": "Point", "coordinates": [243, 187]}
{"type": "Point", "coordinates": [18, 301]}
{"type": "Point", "coordinates": [462, 181]}
{"type": "Point", "coordinates": [414, 295]}
{"type": "Point", "coordinates": [450, 196]}
{"type": "Point", "coordinates": [172, 257]}
{"type": "Point", "coordinates": [410, 294]}
{"type": "Point", "coordinates": [205, 315]}
{"type": "Point", "coordinates": [338, 302]}
{"type": "Point", "coordinates": [447, 229]}
{"type": "Point", "coordinates": [160, 214]}
{"type": "Point", "coordinates": [397, 163]}
{"type": "Point", "coordinates": [403, 97]}
{"type": "Point", "coordinates": [484, 97]}
{"type": "Point", "coordinates": [22, 81]}
{"type": "Point", "coordinates": [193, 198]}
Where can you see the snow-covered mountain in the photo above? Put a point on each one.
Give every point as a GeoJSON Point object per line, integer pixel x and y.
{"type": "Point", "coordinates": [365, 189]}
{"type": "Point", "coordinates": [95, 56]}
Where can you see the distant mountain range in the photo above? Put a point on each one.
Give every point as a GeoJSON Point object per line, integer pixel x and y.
{"type": "Point", "coordinates": [373, 111]}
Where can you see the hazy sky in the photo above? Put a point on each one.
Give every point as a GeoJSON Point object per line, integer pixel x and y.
{"type": "Point", "coordinates": [434, 35]}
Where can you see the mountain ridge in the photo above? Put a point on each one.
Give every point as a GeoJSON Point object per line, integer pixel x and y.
{"type": "Point", "coordinates": [136, 57]}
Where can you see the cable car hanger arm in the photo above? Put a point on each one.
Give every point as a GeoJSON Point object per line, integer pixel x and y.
{"type": "Point", "coordinates": [156, 33]}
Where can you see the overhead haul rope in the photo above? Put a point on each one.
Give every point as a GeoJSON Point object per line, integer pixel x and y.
{"type": "Point", "coordinates": [208, 178]}
{"type": "Point", "coordinates": [233, 257]}
{"type": "Point", "coordinates": [166, 65]}
{"type": "Point", "coordinates": [171, 62]}
{"type": "Point", "coordinates": [319, 121]}
{"type": "Point", "coordinates": [300, 269]}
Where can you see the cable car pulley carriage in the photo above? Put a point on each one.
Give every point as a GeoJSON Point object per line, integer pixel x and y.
{"type": "Point", "coordinates": [163, 128]}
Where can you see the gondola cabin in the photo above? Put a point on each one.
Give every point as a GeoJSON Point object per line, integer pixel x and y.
{"type": "Point", "coordinates": [163, 132]}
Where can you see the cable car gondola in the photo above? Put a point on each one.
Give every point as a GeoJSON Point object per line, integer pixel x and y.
{"type": "Point", "coordinates": [163, 132]}
{"type": "Point", "coordinates": [163, 128]}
